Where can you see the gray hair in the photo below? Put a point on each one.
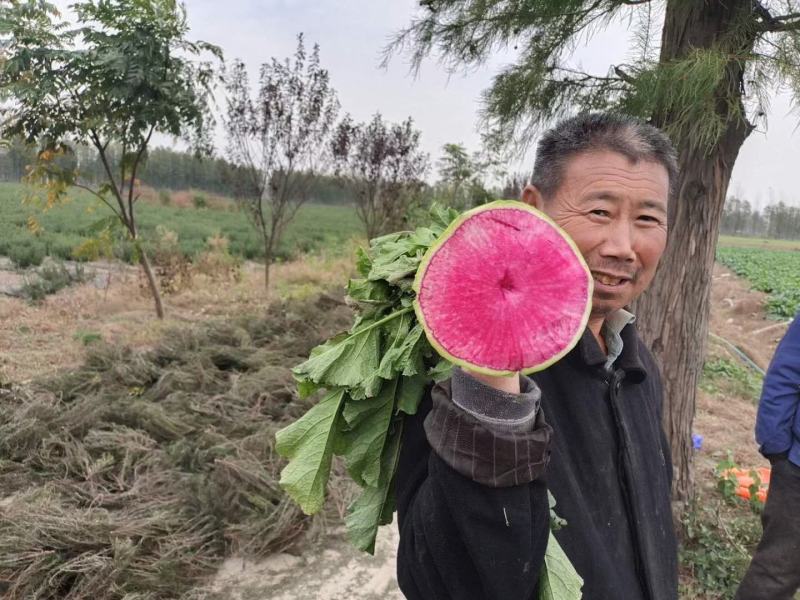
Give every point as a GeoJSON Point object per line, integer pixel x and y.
{"type": "Point", "coordinates": [585, 132]}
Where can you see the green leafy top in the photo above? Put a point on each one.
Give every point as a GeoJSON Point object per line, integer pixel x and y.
{"type": "Point", "coordinates": [373, 374]}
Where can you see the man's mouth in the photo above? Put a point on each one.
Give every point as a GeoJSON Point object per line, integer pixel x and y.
{"type": "Point", "coordinates": [609, 279]}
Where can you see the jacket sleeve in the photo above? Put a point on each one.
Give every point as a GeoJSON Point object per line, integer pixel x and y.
{"type": "Point", "coordinates": [474, 518]}
{"type": "Point", "coordinates": [780, 396]}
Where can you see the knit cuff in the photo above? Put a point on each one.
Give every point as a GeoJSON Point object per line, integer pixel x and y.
{"type": "Point", "coordinates": [497, 409]}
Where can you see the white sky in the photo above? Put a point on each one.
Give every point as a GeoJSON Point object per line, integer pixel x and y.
{"type": "Point", "coordinates": [352, 33]}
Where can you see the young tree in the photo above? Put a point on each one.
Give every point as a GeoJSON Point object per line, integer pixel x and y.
{"type": "Point", "coordinates": [382, 165]}
{"type": "Point", "coordinates": [118, 77]}
{"type": "Point", "coordinates": [705, 80]}
{"type": "Point", "coordinates": [455, 169]}
{"type": "Point", "coordinates": [278, 141]}
{"type": "Point", "coordinates": [463, 175]}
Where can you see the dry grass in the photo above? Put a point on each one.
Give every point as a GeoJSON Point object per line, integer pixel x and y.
{"type": "Point", "coordinates": [136, 474]}
{"type": "Point", "coordinates": [39, 340]}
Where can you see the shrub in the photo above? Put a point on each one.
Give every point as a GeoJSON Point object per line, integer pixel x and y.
{"type": "Point", "coordinates": [30, 253]}
{"type": "Point", "coordinates": [199, 201]}
{"type": "Point", "coordinates": [164, 197]}
{"type": "Point", "coordinates": [50, 279]}
{"type": "Point", "coordinates": [125, 251]}
{"type": "Point", "coordinates": [217, 261]}
{"type": "Point", "coordinates": [172, 266]}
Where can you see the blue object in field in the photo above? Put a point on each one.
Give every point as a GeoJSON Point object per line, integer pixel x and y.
{"type": "Point", "coordinates": [697, 441]}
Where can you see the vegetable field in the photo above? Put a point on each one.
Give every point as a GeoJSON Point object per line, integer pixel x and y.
{"type": "Point", "coordinates": [775, 272]}
{"type": "Point", "coordinates": [63, 228]}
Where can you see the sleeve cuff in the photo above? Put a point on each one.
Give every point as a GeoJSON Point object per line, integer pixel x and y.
{"type": "Point", "coordinates": [487, 455]}
{"type": "Point", "coordinates": [495, 408]}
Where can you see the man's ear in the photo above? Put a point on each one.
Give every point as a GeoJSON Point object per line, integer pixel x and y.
{"type": "Point", "coordinates": [531, 195]}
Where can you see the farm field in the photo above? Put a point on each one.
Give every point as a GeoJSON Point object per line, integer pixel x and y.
{"type": "Point", "coordinates": [730, 241]}
{"type": "Point", "coordinates": [64, 227]}
{"type": "Point", "coordinates": [776, 272]}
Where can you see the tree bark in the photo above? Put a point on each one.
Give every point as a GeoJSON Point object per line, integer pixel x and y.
{"type": "Point", "coordinates": [151, 281]}
{"type": "Point", "coordinates": [267, 263]}
{"type": "Point", "coordinates": [674, 312]}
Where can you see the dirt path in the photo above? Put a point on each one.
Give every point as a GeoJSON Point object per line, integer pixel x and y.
{"type": "Point", "coordinates": [726, 423]}
{"type": "Point", "coordinates": [336, 571]}
{"type": "Point", "coordinates": [737, 314]}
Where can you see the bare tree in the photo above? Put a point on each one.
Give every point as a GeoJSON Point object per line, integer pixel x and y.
{"type": "Point", "coordinates": [278, 141]}
{"type": "Point", "coordinates": [383, 166]}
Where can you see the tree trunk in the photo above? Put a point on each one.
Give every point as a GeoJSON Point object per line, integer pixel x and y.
{"type": "Point", "coordinates": [151, 281]}
{"type": "Point", "coordinates": [675, 309]}
{"type": "Point", "coordinates": [267, 263]}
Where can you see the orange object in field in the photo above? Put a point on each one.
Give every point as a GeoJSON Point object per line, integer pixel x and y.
{"type": "Point", "coordinates": [744, 480]}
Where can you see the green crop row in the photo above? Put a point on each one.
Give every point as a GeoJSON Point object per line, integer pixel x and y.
{"type": "Point", "coordinates": [66, 226]}
{"type": "Point", "coordinates": [772, 271]}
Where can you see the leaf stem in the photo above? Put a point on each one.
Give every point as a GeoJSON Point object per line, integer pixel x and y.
{"type": "Point", "coordinates": [385, 319]}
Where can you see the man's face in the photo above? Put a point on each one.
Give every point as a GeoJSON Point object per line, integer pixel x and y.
{"type": "Point", "coordinates": [616, 211]}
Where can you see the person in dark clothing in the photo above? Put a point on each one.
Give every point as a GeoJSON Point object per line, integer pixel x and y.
{"type": "Point", "coordinates": [774, 573]}
{"type": "Point", "coordinates": [478, 458]}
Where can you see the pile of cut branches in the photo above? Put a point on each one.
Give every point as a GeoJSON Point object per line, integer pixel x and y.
{"type": "Point", "coordinates": [134, 476]}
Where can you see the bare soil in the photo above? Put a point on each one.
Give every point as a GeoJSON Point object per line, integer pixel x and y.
{"type": "Point", "coordinates": [726, 423]}
{"type": "Point", "coordinates": [737, 314]}
{"type": "Point", "coordinates": [37, 340]}
{"type": "Point", "coordinates": [334, 571]}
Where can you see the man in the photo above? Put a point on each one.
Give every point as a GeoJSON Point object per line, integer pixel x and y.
{"type": "Point", "coordinates": [774, 572]}
{"type": "Point", "coordinates": [587, 428]}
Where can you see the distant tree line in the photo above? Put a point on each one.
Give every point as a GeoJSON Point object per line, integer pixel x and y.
{"type": "Point", "coordinates": [165, 168]}
{"type": "Point", "coordinates": [780, 221]}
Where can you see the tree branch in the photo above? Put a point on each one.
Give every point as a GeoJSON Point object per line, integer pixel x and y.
{"type": "Point", "coordinates": [772, 23]}
{"type": "Point", "coordinates": [101, 149]}
{"type": "Point", "coordinates": [134, 169]}
{"type": "Point", "coordinates": [623, 75]}
{"type": "Point", "coordinates": [99, 196]}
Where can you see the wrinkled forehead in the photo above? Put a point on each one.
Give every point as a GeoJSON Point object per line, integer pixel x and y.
{"type": "Point", "coordinates": [613, 176]}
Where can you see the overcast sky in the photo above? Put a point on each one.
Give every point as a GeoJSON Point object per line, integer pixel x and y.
{"type": "Point", "coordinates": [352, 33]}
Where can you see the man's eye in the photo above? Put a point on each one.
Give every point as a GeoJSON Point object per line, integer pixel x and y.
{"type": "Point", "coordinates": [649, 219]}
{"type": "Point", "coordinates": [600, 212]}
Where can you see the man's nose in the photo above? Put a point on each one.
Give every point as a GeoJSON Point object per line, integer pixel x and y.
{"type": "Point", "coordinates": [619, 242]}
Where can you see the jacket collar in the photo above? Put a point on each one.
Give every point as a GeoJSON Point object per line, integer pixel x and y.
{"type": "Point", "coordinates": [589, 353]}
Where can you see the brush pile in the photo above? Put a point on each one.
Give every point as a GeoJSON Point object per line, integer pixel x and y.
{"type": "Point", "coordinates": [136, 475]}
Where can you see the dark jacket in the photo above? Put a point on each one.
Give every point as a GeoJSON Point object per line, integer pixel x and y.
{"type": "Point", "coordinates": [778, 422]}
{"type": "Point", "coordinates": [472, 494]}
